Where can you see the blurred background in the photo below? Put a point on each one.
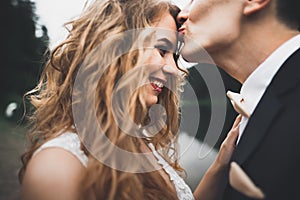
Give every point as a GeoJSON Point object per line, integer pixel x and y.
{"type": "Point", "coordinates": [28, 30]}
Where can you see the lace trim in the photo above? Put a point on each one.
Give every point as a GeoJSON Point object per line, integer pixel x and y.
{"type": "Point", "coordinates": [71, 142]}
{"type": "Point", "coordinates": [68, 141]}
{"type": "Point", "coordinates": [183, 190]}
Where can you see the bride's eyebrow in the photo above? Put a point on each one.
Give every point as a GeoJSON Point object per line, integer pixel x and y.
{"type": "Point", "coordinates": [168, 44]}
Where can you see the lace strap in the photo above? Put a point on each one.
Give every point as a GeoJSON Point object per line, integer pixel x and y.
{"type": "Point", "coordinates": [183, 190]}
{"type": "Point", "coordinates": [68, 141]}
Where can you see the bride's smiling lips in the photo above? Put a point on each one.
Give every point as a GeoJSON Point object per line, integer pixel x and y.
{"type": "Point", "coordinates": [157, 84]}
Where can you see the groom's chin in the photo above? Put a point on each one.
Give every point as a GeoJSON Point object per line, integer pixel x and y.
{"type": "Point", "coordinates": [193, 54]}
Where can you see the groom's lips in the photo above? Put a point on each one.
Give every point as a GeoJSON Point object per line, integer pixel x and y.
{"type": "Point", "coordinates": [181, 32]}
{"type": "Point", "coordinates": [181, 29]}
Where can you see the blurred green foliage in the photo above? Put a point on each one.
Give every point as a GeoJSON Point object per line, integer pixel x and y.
{"type": "Point", "coordinates": [22, 53]}
{"type": "Point", "coordinates": [196, 84]}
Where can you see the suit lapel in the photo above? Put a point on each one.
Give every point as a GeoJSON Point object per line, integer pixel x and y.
{"type": "Point", "coordinates": [257, 127]}
{"type": "Point", "coordinates": [267, 109]}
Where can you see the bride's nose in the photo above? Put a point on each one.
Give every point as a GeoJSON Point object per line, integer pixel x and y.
{"type": "Point", "coordinates": [170, 70]}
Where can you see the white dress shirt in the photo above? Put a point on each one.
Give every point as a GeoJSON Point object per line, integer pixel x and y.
{"type": "Point", "coordinates": [256, 84]}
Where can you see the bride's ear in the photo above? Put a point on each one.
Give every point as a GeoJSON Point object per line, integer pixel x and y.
{"type": "Point", "coordinates": [253, 6]}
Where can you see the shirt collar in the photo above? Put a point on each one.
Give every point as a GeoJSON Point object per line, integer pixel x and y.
{"type": "Point", "coordinates": [258, 81]}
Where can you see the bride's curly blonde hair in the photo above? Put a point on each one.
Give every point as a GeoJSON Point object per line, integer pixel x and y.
{"type": "Point", "coordinates": [54, 98]}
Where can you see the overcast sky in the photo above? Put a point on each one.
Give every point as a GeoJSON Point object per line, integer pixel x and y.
{"type": "Point", "coordinates": [54, 13]}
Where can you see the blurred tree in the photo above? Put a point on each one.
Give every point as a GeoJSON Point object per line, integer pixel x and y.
{"type": "Point", "coordinates": [23, 50]}
{"type": "Point", "coordinates": [197, 85]}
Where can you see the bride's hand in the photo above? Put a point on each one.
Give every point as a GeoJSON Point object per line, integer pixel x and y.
{"type": "Point", "coordinates": [210, 185]}
{"type": "Point", "coordinates": [228, 144]}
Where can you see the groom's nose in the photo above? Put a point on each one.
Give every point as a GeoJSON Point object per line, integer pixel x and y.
{"type": "Point", "coordinates": [182, 16]}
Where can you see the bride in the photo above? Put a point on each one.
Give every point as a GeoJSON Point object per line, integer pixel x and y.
{"type": "Point", "coordinates": [105, 120]}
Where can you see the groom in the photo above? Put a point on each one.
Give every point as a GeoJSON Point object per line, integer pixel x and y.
{"type": "Point", "coordinates": [256, 42]}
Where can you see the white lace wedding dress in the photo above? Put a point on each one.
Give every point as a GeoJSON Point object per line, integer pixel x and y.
{"type": "Point", "coordinates": [71, 142]}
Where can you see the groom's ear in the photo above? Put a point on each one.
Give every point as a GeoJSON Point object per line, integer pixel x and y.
{"type": "Point", "coordinates": [252, 6]}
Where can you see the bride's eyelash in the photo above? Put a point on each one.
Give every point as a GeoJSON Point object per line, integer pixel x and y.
{"type": "Point", "coordinates": [163, 50]}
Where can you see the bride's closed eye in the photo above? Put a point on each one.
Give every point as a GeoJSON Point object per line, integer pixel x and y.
{"type": "Point", "coordinates": [163, 50]}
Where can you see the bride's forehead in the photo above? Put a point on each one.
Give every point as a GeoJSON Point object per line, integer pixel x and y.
{"type": "Point", "coordinates": [166, 28]}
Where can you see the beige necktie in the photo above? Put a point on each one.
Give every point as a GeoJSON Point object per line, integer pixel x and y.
{"type": "Point", "coordinates": [239, 103]}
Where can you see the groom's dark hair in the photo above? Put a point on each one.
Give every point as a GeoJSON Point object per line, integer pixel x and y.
{"type": "Point", "coordinates": [288, 12]}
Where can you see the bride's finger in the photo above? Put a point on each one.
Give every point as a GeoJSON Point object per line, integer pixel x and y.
{"type": "Point", "coordinates": [237, 121]}
{"type": "Point", "coordinates": [232, 136]}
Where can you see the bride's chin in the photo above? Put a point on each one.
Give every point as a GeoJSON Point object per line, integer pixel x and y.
{"type": "Point", "coordinates": [151, 100]}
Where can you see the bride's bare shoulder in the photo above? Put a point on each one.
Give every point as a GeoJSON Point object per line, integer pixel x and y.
{"type": "Point", "coordinates": [51, 173]}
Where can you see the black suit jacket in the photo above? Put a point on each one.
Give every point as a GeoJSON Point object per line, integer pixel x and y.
{"type": "Point", "coordinates": [269, 150]}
